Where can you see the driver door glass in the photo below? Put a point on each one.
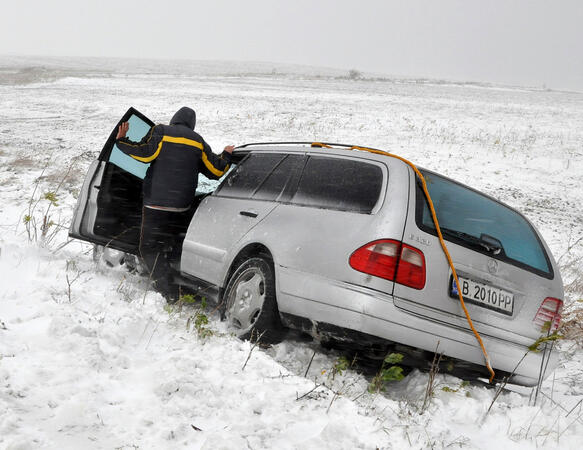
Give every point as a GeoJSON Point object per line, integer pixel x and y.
{"type": "Point", "coordinates": [138, 129]}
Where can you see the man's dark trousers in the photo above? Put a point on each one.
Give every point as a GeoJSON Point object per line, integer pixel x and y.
{"type": "Point", "coordinates": [161, 240]}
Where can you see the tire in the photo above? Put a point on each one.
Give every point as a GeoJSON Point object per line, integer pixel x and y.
{"type": "Point", "coordinates": [250, 306]}
{"type": "Point", "coordinates": [108, 256]}
{"type": "Point", "coordinates": [116, 258]}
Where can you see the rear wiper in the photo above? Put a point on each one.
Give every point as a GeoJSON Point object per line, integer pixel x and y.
{"type": "Point", "coordinates": [491, 243]}
{"type": "Point", "coordinates": [485, 241]}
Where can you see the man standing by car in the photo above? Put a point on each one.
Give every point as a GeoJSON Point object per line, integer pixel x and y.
{"type": "Point", "coordinates": [177, 154]}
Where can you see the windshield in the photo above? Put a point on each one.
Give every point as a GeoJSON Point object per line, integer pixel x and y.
{"type": "Point", "coordinates": [477, 221]}
{"type": "Point", "coordinates": [207, 186]}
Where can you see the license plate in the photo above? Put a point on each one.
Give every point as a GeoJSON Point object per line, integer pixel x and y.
{"type": "Point", "coordinates": [484, 295]}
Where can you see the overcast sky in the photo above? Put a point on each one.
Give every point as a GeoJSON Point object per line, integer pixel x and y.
{"type": "Point", "coordinates": [527, 42]}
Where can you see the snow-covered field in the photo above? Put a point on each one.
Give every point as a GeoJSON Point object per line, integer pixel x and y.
{"type": "Point", "coordinates": [89, 358]}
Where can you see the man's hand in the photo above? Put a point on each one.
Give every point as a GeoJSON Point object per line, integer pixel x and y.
{"type": "Point", "coordinates": [123, 129]}
{"type": "Point", "coordinates": [229, 148]}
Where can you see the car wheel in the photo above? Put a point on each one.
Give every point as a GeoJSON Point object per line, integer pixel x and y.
{"type": "Point", "coordinates": [250, 307]}
{"type": "Point", "coordinates": [116, 258]}
{"type": "Point", "coordinates": [108, 256]}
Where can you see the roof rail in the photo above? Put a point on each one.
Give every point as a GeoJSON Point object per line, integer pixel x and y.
{"type": "Point", "coordinates": [313, 144]}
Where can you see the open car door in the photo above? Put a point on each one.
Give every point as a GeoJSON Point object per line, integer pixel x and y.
{"type": "Point", "coordinates": [109, 206]}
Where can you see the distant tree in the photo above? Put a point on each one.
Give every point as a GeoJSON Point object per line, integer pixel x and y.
{"type": "Point", "coordinates": [354, 74]}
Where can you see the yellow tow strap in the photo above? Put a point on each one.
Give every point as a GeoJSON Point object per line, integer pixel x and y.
{"type": "Point", "coordinates": [443, 246]}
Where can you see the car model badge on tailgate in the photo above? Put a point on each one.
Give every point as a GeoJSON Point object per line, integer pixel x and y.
{"type": "Point", "coordinates": [492, 266]}
{"type": "Point", "coordinates": [419, 239]}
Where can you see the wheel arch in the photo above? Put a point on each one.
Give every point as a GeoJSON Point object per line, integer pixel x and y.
{"type": "Point", "coordinates": [255, 249]}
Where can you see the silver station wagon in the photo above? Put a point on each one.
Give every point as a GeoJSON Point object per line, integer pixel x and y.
{"type": "Point", "coordinates": [340, 243]}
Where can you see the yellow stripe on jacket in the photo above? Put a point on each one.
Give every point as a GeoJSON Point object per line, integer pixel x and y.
{"type": "Point", "coordinates": [174, 140]}
{"type": "Point", "coordinates": [211, 168]}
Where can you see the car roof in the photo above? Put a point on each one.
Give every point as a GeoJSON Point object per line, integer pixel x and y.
{"type": "Point", "coordinates": [324, 148]}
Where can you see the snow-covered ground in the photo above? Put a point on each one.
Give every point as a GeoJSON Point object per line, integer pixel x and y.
{"type": "Point", "coordinates": [90, 358]}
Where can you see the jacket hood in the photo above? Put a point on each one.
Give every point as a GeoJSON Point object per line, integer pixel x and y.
{"type": "Point", "coordinates": [184, 116]}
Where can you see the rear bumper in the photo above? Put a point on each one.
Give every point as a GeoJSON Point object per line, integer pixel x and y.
{"type": "Point", "coordinates": [372, 312]}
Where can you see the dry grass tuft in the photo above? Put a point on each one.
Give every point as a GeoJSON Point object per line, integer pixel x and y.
{"type": "Point", "coordinates": [24, 162]}
{"type": "Point", "coordinates": [572, 324]}
{"type": "Point", "coordinates": [72, 178]}
{"type": "Point", "coordinates": [575, 287]}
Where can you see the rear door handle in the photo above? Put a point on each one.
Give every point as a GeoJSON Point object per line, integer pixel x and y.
{"type": "Point", "coordinates": [248, 214]}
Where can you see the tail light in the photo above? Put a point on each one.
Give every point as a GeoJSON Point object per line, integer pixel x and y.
{"type": "Point", "coordinates": [378, 258]}
{"type": "Point", "coordinates": [549, 314]}
{"type": "Point", "coordinates": [391, 260]}
{"type": "Point", "coordinates": [411, 269]}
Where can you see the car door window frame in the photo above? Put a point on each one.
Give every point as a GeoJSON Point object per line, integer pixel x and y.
{"type": "Point", "coordinates": [108, 147]}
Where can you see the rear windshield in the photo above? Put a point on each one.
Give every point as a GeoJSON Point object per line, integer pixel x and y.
{"type": "Point", "coordinates": [474, 220]}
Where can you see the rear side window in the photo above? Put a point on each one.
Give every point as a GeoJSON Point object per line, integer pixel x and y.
{"type": "Point", "coordinates": [476, 221]}
{"type": "Point", "coordinates": [342, 184]}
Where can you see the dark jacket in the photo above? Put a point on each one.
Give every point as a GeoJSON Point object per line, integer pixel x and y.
{"type": "Point", "coordinates": [177, 154]}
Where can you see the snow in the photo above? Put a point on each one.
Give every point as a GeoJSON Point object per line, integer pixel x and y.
{"type": "Point", "coordinates": [91, 358]}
